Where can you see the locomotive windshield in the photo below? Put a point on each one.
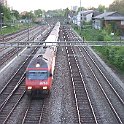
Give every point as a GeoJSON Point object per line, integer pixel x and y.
{"type": "Point", "coordinates": [37, 75]}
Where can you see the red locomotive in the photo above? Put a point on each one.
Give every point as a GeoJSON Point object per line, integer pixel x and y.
{"type": "Point", "coordinates": [39, 73]}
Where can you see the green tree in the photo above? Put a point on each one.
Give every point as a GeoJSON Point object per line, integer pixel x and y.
{"type": "Point", "coordinates": [117, 5]}
{"type": "Point", "coordinates": [15, 13]}
{"type": "Point", "coordinates": [1, 8]}
{"type": "Point", "coordinates": [38, 13]}
{"type": "Point", "coordinates": [31, 15]}
{"type": "Point", "coordinates": [28, 15]}
{"type": "Point", "coordinates": [82, 8]}
{"type": "Point", "coordinates": [67, 12]}
{"type": "Point", "coordinates": [1, 13]}
{"type": "Point", "coordinates": [6, 14]}
{"type": "Point", "coordinates": [101, 8]}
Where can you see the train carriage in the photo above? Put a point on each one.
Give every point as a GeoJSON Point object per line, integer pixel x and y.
{"type": "Point", "coordinates": [39, 73]}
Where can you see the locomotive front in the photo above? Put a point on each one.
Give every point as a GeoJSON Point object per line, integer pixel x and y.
{"type": "Point", "coordinates": [38, 77]}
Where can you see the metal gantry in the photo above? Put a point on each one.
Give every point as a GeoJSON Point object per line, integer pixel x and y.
{"type": "Point", "coordinates": [61, 43]}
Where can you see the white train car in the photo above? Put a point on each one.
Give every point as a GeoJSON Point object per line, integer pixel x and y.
{"type": "Point", "coordinates": [53, 37]}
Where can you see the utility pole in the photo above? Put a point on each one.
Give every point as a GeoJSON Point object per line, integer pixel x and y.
{"type": "Point", "coordinates": [1, 22]}
{"type": "Point", "coordinates": [80, 17]}
{"type": "Point", "coordinates": [41, 22]}
{"type": "Point", "coordinates": [28, 27]}
{"type": "Point", "coordinates": [12, 23]}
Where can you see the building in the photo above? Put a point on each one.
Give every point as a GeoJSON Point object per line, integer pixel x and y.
{"type": "Point", "coordinates": [74, 8]}
{"type": "Point", "coordinates": [115, 19]}
{"type": "Point", "coordinates": [3, 2]}
{"type": "Point", "coordinates": [83, 16]}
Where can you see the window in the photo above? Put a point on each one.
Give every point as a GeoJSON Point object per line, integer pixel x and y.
{"type": "Point", "coordinates": [122, 22]}
{"type": "Point", "coordinates": [37, 75]}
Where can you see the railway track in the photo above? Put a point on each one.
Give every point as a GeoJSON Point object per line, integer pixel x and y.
{"type": "Point", "coordinates": [14, 90]}
{"type": "Point", "coordinates": [83, 103]}
{"type": "Point", "coordinates": [10, 53]}
{"type": "Point", "coordinates": [84, 108]}
{"type": "Point", "coordinates": [105, 86]}
{"type": "Point", "coordinates": [104, 83]}
{"type": "Point", "coordinates": [34, 112]}
{"type": "Point", "coordinates": [14, 35]}
{"type": "Point", "coordinates": [11, 102]}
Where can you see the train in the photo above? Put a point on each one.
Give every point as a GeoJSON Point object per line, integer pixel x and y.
{"type": "Point", "coordinates": [40, 70]}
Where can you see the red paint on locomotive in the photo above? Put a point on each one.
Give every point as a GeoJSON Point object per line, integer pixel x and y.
{"type": "Point", "coordinates": [39, 73]}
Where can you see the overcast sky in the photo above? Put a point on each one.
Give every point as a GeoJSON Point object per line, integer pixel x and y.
{"type": "Point", "coordinates": [27, 5]}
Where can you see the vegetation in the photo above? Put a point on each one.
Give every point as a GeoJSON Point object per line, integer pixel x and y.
{"type": "Point", "coordinates": [101, 8]}
{"type": "Point", "coordinates": [38, 13]}
{"type": "Point", "coordinates": [57, 12]}
{"type": "Point", "coordinates": [15, 28]}
{"type": "Point", "coordinates": [10, 19]}
{"type": "Point", "coordinates": [112, 55]}
{"type": "Point", "coordinates": [117, 5]}
{"type": "Point", "coordinates": [5, 13]}
{"type": "Point", "coordinates": [91, 34]}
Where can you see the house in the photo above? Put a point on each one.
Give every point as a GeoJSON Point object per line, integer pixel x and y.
{"type": "Point", "coordinates": [71, 15]}
{"type": "Point", "coordinates": [115, 19]}
{"type": "Point", "coordinates": [84, 16]}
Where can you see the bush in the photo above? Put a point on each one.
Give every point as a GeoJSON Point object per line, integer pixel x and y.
{"type": "Point", "coordinates": [108, 38]}
{"type": "Point", "coordinates": [100, 37]}
{"type": "Point", "coordinates": [113, 55]}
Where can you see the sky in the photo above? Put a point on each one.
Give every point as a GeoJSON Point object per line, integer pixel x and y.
{"type": "Point", "coordinates": [28, 5]}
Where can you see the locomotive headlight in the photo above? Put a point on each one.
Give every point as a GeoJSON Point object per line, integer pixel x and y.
{"type": "Point", "coordinates": [45, 87]}
{"type": "Point", "coordinates": [29, 88]}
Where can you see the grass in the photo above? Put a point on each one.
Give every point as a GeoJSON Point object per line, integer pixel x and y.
{"type": "Point", "coordinates": [113, 55]}
{"type": "Point", "coordinates": [13, 29]}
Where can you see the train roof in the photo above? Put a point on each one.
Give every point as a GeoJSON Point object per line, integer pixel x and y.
{"type": "Point", "coordinates": [38, 62]}
{"type": "Point", "coordinates": [42, 60]}
{"type": "Point", "coordinates": [49, 54]}
{"type": "Point", "coordinates": [46, 59]}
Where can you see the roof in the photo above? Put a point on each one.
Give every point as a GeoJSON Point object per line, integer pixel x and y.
{"type": "Point", "coordinates": [103, 15]}
{"type": "Point", "coordinates": [86, 12]}
{"type": "Point", "coordinates": [114, 18]}
{"type": "Point", "coordinates": [96, 13]}
{"type": "Point", "coordinates": [38, 60]}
